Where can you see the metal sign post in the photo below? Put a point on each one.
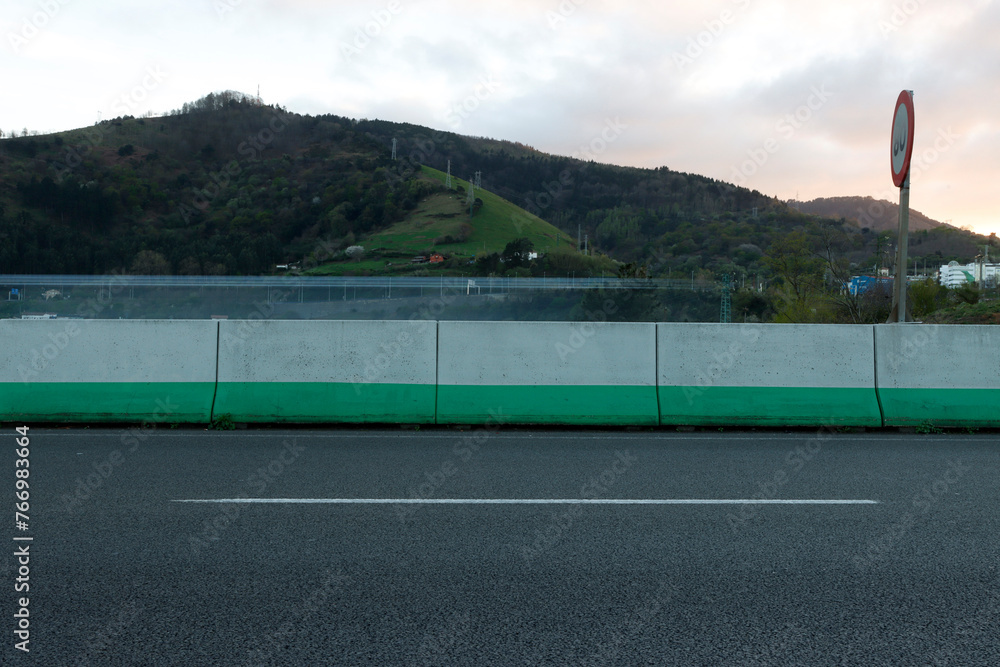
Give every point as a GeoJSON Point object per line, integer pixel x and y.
{"type": "Point", "coordinates": [900, 152]}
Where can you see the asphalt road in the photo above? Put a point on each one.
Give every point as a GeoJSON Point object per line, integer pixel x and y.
{"type": "Point", "coordinates": [121, 573]}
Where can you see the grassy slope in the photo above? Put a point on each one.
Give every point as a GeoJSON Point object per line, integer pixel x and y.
{"type": "Point", "coordinates": [495, 224]}
{"type": "Point", "coordinates": [986, 312]}
{"type": "Point", "coordinates": [498, 222]}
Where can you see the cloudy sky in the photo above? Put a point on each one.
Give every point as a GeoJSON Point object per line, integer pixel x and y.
{"type": "Point", "coordinates": [794, 99]}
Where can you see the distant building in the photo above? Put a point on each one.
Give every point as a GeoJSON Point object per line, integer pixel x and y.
{"type": "Point", "coordinates": [955, 275]}
{"type": "Point", "coordinates": [38, 316]}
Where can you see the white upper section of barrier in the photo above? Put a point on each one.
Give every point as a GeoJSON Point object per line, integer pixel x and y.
{"type": "Point", "coordinates": [933, 356]}
{"type": "Point", "coordinates": [79, 350]}
{"type": "Point", "coordinates": [547, 353]}
{"type": "Point", "coordinates": [328, 351]}
{"type": "Point", "coordinates": [765, 355]}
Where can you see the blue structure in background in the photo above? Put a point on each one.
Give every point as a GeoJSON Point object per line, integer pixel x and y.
{"type": "Point", "coordinates": [861, 284]}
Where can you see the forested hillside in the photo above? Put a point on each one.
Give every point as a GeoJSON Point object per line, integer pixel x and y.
{"type": "Point", "coordinates": [876, 214]}
{"type": "Point", "coordinates": [227, 185]}
{"type": "Point", "coordinates": [225, 190]}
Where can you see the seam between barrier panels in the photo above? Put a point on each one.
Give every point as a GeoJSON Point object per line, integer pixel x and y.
{"type": "Point", "coordinates": [656, 373]}
{"type": "Point", "coordinates": [437, 366]}
{"type": "Point", "coordinates": [215, 389]}
{"type": "Point", "coordinates": [878, 399]}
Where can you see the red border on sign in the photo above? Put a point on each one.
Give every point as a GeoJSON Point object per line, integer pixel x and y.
{"type": "Point", "coordinates": [904, 98]}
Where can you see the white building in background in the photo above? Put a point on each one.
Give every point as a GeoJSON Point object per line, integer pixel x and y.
{"type": "Point", "coordinates": [980, 273]}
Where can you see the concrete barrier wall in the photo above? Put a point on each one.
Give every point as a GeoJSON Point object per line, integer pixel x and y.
{"type": "Point", "coordinates": [547, 373]}
{"type": "Point", "coordinates": [946, 375]}
{"type": "Point", "coordinates": [775, 374]}
{"type": "Point", "coordinates": [504, 372]}
{"type": "Point", "coordinates": [327, 371]}
{"type": "Point", "coordinates": [107, 370]}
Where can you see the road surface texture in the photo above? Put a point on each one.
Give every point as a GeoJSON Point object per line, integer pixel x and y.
{"type": "Point", "coordinates": [133, 560]}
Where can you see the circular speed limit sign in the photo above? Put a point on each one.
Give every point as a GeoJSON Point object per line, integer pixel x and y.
{"type": "Point", "coordinates": [902, 138]}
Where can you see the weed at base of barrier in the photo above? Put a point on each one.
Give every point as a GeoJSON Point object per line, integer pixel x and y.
{"type": "Point", "coordinates": [223, 422]}
{"type": "Point", "coordinates": [927, 427]}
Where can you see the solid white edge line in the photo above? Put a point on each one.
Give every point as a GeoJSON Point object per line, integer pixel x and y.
{"type": "Point", "coordinates": [529, 501]}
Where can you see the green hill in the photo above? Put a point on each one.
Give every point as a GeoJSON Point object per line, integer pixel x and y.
{"type": "Point", "coordinates": [442, 222]}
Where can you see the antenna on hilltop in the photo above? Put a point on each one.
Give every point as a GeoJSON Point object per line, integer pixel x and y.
{"type": "Point", "coordinates": [447, 182]}
{"type": "Point", "coordinates": [393, 149]}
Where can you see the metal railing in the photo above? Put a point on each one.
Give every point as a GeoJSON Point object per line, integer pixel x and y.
{"type": "Point", "coordinates": [451, 284]}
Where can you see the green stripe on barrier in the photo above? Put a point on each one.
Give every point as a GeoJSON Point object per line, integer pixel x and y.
{"type": "Point", "coordinates": [161, 402]}
{"type": "Point", "coordinates": [769, 406]}
{"type": "Point", "coordinates": [326, 402]}
{"type": "Point", "coordinates": [547, 404]}
{"type": "Point", "coordinates": [941, 407]}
